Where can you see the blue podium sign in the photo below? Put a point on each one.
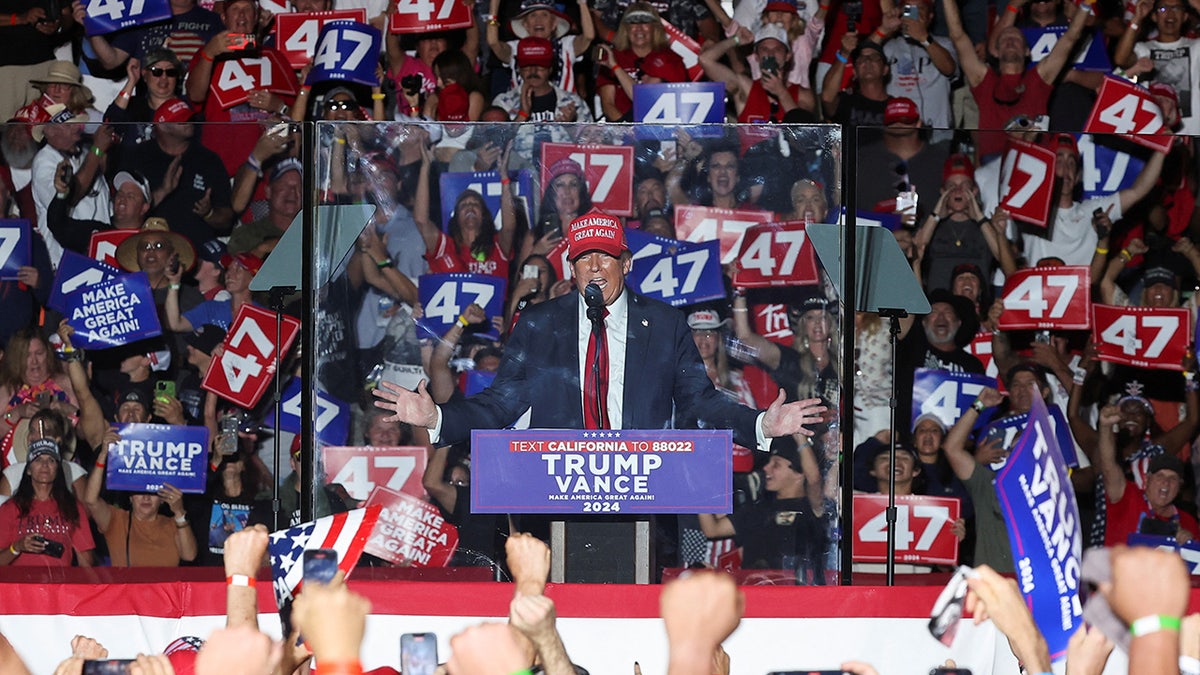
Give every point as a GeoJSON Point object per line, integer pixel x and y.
{"type": "Point", "coordinates": [602, 471]}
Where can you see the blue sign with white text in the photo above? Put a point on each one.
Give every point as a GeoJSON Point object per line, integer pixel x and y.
{"type": "Point", "coordinates": [1092, 56]}
{"type": "Point", "coordinates": [332, 424]}
{"type": "Point", "coordinates": [113, 313]}
{"type": "Point", "coordinates": [109, 16]}
{"type": "Point", "coordinates": [1009, 427]}
{"type": "Point", "coordinates": [76, 272]}
{"type": "Point", "coordinates": [487, 184]}
{"type": "Point", "coordinates": [602, 471]}
{"type": "Point", "coordinates": [678, 103]}
{"type": "Point", "coordinates": [149, 455]}
{"type": "Point", "coordinates": [1190, 552]}
{"type": "Point", "coordinates": [15, 250]}
{"type": "Point", "coordinates": [676, 272]}
{"type": "Point", "coordinates": [1105, 170]}
{"type": "Point", "coordinates": [347, 51]}
{"type": "Point", "coordinates": [945, 394]}
{"type": "Point", "coordinates": [1038, 504]}
{"type": "Point", "coordinates": [444, 297]}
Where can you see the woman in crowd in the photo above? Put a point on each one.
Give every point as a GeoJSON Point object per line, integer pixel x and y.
{"type": "Point", "coordinates": [45, 525]}
{"type": "Point", "coordinates": [239, 483]}
{"type": "Point", "coordinates": [160, 72]}
{"type": "Point", "coordinates": [32, 379]}
{"type": "Point", "coordinates": [809, 203]}
{"type": "Point", "coordinates": [809, 368]}
{"type": "Point", "coordinates": [47, 423]}
{"type": "Point", "coordinates": [640, 40]}
{"type": "Point", "coordinates": [530, 290]}
{"type": "Point", "coordinates": [564, 199]}
{"type": "Point", "coordinates": [140, 536]}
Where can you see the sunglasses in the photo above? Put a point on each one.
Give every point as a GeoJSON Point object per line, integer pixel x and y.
{"type": "Point", "coordinates": [339, 105]}
{"type": "Point", "coordinates": [164, 72]}
{"type": "Point", "coordinates": [154, 245]}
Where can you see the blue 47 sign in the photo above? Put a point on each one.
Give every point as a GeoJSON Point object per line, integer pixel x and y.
{"type": "Point", "coordinates": [109, 16]}
{"type": "Point", "coordinates": [946, 394]}
{"type": "Point", "coordinates": [77, 272]}
{"type": "Point", "coordinates": [347, 51]}
{"type": "Point", "coordinates": [672, 103]}
{"type": "Point", "coordinates": [676, 272]}
{"type": "Point", "coordinates": [487, 184]}
{"type": "Point", "coordinates": [332, 423]}
{"type": "Point", "coordinates": [445, 296]}
{"type": "Point", "coordinates": [15, 250]}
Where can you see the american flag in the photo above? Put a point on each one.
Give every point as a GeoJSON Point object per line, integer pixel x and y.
{"type": "Point", "coordinates": [346, 533]}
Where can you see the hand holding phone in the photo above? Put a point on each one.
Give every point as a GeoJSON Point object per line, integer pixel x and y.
{"type": "Point", "coordinates": [418, 653]}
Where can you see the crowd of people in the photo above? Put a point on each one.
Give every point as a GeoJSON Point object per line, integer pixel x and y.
{"type": "Point", "coordinates": [130, 130]}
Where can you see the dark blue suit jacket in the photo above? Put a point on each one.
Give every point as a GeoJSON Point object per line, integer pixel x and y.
{"type": "Point", "coordinates": [540, 370]}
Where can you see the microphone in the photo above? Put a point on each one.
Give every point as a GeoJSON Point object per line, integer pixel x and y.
{"type": "Point", "coordinates": [593, 297]}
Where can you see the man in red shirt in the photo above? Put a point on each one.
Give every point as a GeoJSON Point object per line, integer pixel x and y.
{"type": "Point", "coordinates": [1150, 509]}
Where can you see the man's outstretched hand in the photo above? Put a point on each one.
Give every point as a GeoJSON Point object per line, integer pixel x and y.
{"type": "Point", "coordinates": [785, 420]}
{"type": "Point", "coordinates": [411, 407]}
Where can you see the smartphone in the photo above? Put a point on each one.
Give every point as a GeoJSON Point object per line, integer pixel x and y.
{"type": "Point", "coordinates": [107, 667]}
{"type": "Point", "coordinates": [1042, 336]}
{"type": "Point", "coordinates": [808, 672]}
{"type": "Point", "coordinates": [174, 265]}
{"type": "Point", "coordinates": [53, 548]}
{"type": "Point", "coordinates": [601, 54]}
{"type": "Point", "coordinates": [948, 608]}
{"type": "Point", "coordinates": [44, 399]}
{"type": "Point", "coordinates": [911, 12]}
{"type": "Point", "coordinates": [769, 64]}
{"type": "Point", "coordinates": [906, 202]}
{"type": "Point", "coordinates": [950, 671]}
{"type": "Point", "coordinates": [227, 438]}
{"type": "Point", "coordinates": [164, 389]}
{"type": "Point", "coordinates": [418, 653]}
{"type": "Point", "coordinates": [320, 565]}
{"type": "Point", "coordinates": [242, 41]}
{"type": "Point", "coordinates": [530, 272]}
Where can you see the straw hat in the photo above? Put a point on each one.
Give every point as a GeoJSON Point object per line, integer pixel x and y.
{"type": "Point", "coordinates": [127, 250]}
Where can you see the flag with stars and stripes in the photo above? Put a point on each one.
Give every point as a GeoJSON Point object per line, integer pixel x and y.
{"type": "Point", "coordinates": [346, 533]}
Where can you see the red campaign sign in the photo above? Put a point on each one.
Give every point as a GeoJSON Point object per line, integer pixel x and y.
{"type": "Point", "coordinates": [558, 259]}
{"type": "Point", "coordinates": [981, 348]}
{"type": "Point", "coordinates": [775, 254]}
{"type": "Point", "coordinates": [244, 370]}
{"type": "Point", "coordinates": [103, 245]}
{"type": "Point", "coordinates": [924, 533]}
{"type": "Point", "coordinates": [608, 170]}
{"type": "Point", "coordinates": [362, 469]}
{"type": "Point", "coordinates": [1124, 108]}
{"type": "Point", "coordinates": [410, 531]}
{"type": "Point", "coordinates": [1056, 298]}
{"type": "Point", "coordinates": [1027, 181]}
{"type": "Point", "coordinates": [234, 79]}
{"type": "Point", "coordinates": [706, 223]}
{"type": "Point", "coordinates": [296, 32]}
{"type": "Point", "coordinates": [1145, 337]}
{"type": "Point", "coordinates": [275, 7]}
{"type": "Point", "coordinates": [423, 16]}
{"type": "Point", "coordinates": [688, 49]}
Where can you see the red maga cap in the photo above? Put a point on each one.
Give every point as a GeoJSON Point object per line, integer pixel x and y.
{"type": "Point", "coordinates": [595, 231]}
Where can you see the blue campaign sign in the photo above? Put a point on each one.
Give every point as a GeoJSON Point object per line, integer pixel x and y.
{"type": "Point", "coordinates": [672, 103]}
{"type": "Point", "coordinates": [1105, 170]}
{"type": "Point", "coordinates": [1038, 504]}
{"type": "Point", "coordinates": [486, 183]}
{"type": "Point", "coordinates": [347, 51]}
{"type": "Point", "coordinates": [477, 381]}
{"type": "Point", "coordinates": [332, 423]}
{"type": "Point", "coordinates": [1190, 552]}
{"type": "Point", "coordinates": [76, 272]}
{"type": "Point", "coordinates": [676, 272]}
{"type": "Point", "coordinates": [1009, 427]}
{"type": "Point", "coordinates": [1092, 55]}
{"type": "Point", "coordinates": [15, 248]}
{"type": "Point", "coordinates": [445, 296]}
{"type": "Point", "coordinates": [110, 16]}
{"type": "Point", "coordinates": [946, 394]}
{"type": "Point", "coordinates": [618, 471]}
{"type": "Point", "coordinates": [113, 313]}
{"type": "Point", "coordinates": [149, 455]}
{"type": "Point", "coordinates": [889, 221]}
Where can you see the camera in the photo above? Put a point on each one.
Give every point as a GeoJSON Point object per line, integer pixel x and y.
{"type": "Point", "coordinates": [411, 84]}
{"type": "Point", "coordinates": [912, 12]}
{"type": "Point", "coordinates": [769, 64]}
{"type": "Point", "coordinates": [53, 548]}
{"type": "Point", "coordinates": [242, 41]}
{"type": "Point", "coordinates": [853, 10]}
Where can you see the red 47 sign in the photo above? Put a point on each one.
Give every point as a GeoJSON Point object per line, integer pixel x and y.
{"type": "Point", "coordinates": [422, 16]}
{"type": "Point", "coordinates": [608, 170]}
{"type": "Point", "coordinates": [981, 348]}
{"type": "Point", "coordinates": [1144, 337]}
{"type": "Point", "coordinates": [103, 245]}
{"type": "Point", "coordinates": [775, 254]}
{"type": "Point", "coordinates": [1122, 107]}
{"type": "Point", "coordinates": [362, 469]}
{"type": "Point", "coordinates": [244, 370]}
{"type": "Point", "coordinates": [707, 223]}
{"type": "Point", "coordinates": [1027, 181]}
{"type": "Point", "coordinates": [923, 529]}
{"type": "Point", "coordinates": [688, 49]}
{"type": "Point", "coordinates": [296, 32]}
{"type": "Point", "coordinates": [234, 79]}
{"type": "Point", "coordinates": [1047, 298]}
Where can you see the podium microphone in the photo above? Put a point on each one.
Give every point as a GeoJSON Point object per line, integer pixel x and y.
{"type": "Point", "coordinates": [594, 299]}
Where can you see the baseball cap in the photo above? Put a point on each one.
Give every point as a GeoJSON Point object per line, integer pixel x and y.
{"type": "Point", "coordinates": [213, 251]}
{"type": "Point", "coordinates": [454, 103]}
{"type": "Point", "coordinates": [781, 6]}
{"type": "Point", "coordinates": [771, 31]}
{"type": "Point", "coordinates": [1159, 275]}
{"type": "Point", "coordinates": [174, 110]}
{"type": "Point", "coordinates": [1157, 463]}
{"type": "Point", "coordinates": [137, 179]}
{"type": "Point", "coordinates": [901, 110]}
{"type": "Point", "coordinates": [883, 448]}
{"type": "Point", "coordinates": [284, 166]}
{"type": "Point", "coordinates": [535, 51]}
{"type": "Point", "coordinates": [133, 394]}
{"type": "Point", "coordinates": [160, 360]}
{"type": "Point", "coordinates": [958, 164]}
{"type": "Point", "coordinates": [786, 448]}
{"type": "Point", "coordinates": [929, 416]}
{"type": "Point", "coordinates": [864, 47]}
{"type": "Point", "coordinates": [967, 268]}
{"type": "Point", "coordinates": [43, 446]}
{"type": "Point", "coordinates": [564, 166]}
{"type": "Point", "coordinates": [1165, 90]}
{"type": "Point", "coordinates": [205, 338]}
{"type": "Point", "coordinates": [1056, 142]}
{"type": "Point", "coordinates": [595, 231]}
{"type": "Point", "coordinates": [705, 319]}
{"type": "Point", "coordinates": [666, 66]}
{"type": "Point", "coordinates": [639, 16]}
{"type": "Point", "coordinates": [561, 24]}
{"type": "Point", "coordinates": [250, 262]}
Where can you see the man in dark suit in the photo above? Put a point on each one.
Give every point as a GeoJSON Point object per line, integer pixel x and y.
{"type": "Point", "coordinates": [653, 366]}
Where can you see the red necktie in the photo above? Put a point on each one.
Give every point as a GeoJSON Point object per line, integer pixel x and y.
{"type": "Point", "coordinates": [595, 380]}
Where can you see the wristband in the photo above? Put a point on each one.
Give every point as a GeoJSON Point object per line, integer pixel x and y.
{"type": "Point", "coordinates": [1101, 251]}
{"type": "Point", "coordinates": [341, 668]}
{"type": "Point", "coordinates": [62, 195]}
{"type": "Point", "coordinates": [283, 109]}
{"type": "Point", "coordinates": [97, 151]}
{"type": "Point", "coordinates": [462, 321]}
{"type": "Point", "coordinates": [100, 465]}
{"type": "Point", "coordinates": [1126, 254]}
{"type": "Point", "coordinates": [339, 141]}
{"type": "Point", "coordinates": [254, 164]}
{"type": "Point", "coordinates": [523, 671]}
{"type": "Point", "coordinates": [609, 38]}
{"type": "Point", "coordinates": [306, 89]}
{"type": "Point", "coordinates": [505, 181]}
{"type": "Point", "coordinates": [240, 580]}
{"type": "Point", "coordinates": [12, 548]}
{"type": "Point", "coordinates": [1133, 26]}
{"type": "Point", "coordinates": [880, 34]}
{"type": "Point", "coordinates": [378, 97]}
{"type": "Point", "coordinates": [1078, 375]}
{"type": "Point", "coordinates": [383, 264]}
{"type": "Point", "coordinates": [1154, 624]}
{"type": "Point", "coordinates": [740, 310]}
{"type": "Point", "coordinates": [181, 520]}
{"type": "Point", "coordinates": [522, 115]}
{"type": "Point", "coordinates": [173, 287]}
{"type": "Point", "coordinates": [737, 40]}
{"type": "Point", "coordinates": [204, 55]}
{"type": "Point", "coordinates": [977, 406]}
{"type": "Point", "coordinates": [841, 58]}
{"type": "Point", "coordinates": [1012, 9]}
{"type": "Point", "coordinates": [13, 19]}
{"type": "Point", "coordinates": [124, 94]}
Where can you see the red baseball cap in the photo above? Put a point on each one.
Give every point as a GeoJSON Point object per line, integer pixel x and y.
{"type": "Point", "coordinates": [1059, 141]}
{"type": "Point", "coordinates": [958, 164]}
{"type": "Point", "coordinates": [1165, 90]}
{"type": "Point", "coordinates": [174, 110]}
{"type": "Point", "coordinates": [252, 263]}
{"type": "Point", "coordinates": [535, 51]}
{"type": "Point", "coordinates": [901, 110]}
{"type": "Point", "coordinates": [666, 66]}
{"type": "Point", "coordinates": [595, 231]}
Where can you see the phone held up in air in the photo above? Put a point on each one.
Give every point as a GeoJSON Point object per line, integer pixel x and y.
{"type": "Point", "coordinates": [418, 653]}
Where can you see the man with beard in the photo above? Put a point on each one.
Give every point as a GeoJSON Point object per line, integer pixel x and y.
{"type": "Point", "coordinates": [937, 342]}
{"type": "Point", "coordinates": [1176, 58]}
{"type": "Point", "coordinates": [1010, 89]}
{"type": "Point", "coordinates": [1149, 510]}
{"type": "Point", "coordinates": [89, 193]}
{"type": "Point", "coordinates": [538, 100]}
{"type": "Point", "coordinates": [284, 199]}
